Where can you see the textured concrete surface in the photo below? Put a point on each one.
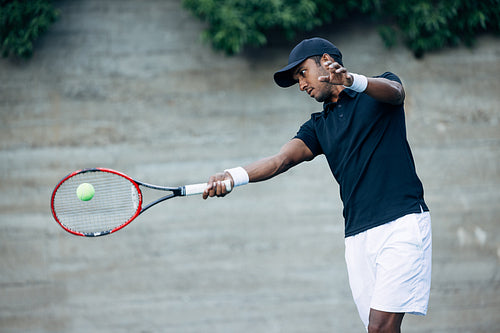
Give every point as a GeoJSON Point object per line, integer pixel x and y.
{"type": "Point", "coordinates": [128, 85]}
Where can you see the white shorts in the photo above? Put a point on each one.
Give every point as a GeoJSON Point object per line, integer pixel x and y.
{"type": "Point", "coordinates": [389, 266]}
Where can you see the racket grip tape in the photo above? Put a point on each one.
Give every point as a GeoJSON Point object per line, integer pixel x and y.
{"type": "Point", "coordinates": [200, 188]}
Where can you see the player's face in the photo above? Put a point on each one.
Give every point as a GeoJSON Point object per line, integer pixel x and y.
{"type": "Point", "coordinates": [307, 74]}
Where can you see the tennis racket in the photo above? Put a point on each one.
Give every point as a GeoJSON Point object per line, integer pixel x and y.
{"type": "Point", "coordinates": [116, 200]}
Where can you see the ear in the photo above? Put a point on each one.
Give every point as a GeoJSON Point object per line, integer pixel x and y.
{"type": "Point", "coordinates": [326, 57]}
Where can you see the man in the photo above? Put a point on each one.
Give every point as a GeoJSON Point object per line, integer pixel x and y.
{"type": "Point", "coordinates": [362, 133]}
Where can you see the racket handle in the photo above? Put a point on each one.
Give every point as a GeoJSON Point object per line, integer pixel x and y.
{"type": "Point", "coordinates": [200, 188]}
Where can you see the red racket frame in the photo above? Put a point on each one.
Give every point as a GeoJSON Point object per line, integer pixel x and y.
{"type": "Point", "coordinates": [137, 212]}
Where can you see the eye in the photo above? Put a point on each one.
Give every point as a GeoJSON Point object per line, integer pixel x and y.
{"type": "Point", "coordinates": [300, 74]}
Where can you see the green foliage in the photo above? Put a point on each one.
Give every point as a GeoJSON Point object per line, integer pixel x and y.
{"type": "Point", "coordinates": [427, 25]}
{"type": "Point", "coordinates": [423, 25]}
{"type": "Point", "coordinates": [235, 23]}
{"type": "Point", "coordinates": [21, 23]}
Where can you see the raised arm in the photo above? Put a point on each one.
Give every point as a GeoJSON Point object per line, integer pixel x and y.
{"type": "Point", "coordinates": [291, 154]}
{"type": "Point", "coordinates": [381, 89]}
{"type": "Point", "coordinates": [385, 90]}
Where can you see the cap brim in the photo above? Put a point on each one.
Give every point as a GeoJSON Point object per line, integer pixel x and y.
{"type": "Point", "coordinates": [284, 77]}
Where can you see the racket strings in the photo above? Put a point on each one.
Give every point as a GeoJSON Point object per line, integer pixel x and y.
{"type": "Point", "coordinates": [115, 202]}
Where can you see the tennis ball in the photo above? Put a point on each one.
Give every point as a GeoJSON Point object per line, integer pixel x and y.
{"type": "Point", "coordinates": [85, 192]}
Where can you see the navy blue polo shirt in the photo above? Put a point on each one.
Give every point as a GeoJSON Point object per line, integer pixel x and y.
{"type": "Point", "coordinates": [365, 144]}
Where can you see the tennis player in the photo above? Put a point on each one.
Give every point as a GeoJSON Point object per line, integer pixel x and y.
{"type": "Point", "coordinates": [362, 133]}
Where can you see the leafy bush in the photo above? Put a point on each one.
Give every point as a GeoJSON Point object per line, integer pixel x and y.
{"type": "Point", "coordinates": [21, 23]}
{"type": "Point", "coordinates": [423, 25]}
{"type": "Point", "coordinates": [427, 25]}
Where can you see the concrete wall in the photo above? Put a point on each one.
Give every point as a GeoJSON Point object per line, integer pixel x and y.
{"type": "Point", "coordinates": [128, 85]}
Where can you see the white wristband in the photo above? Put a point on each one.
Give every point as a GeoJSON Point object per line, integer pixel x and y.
{"type": "Point", "coordinates": [240, 176]}
{"type": "Point", "coordinates": [359, 83]}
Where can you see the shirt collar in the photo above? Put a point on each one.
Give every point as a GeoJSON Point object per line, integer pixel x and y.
{"type": "Point", "coordinates": [329, 106]}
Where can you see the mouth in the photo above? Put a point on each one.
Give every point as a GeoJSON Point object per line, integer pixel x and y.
{"type": "Point", "coordinates": [309, 91]}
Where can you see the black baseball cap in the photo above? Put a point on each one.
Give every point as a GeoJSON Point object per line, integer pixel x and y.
{"type": "Point", "coordinates": [305, 49]}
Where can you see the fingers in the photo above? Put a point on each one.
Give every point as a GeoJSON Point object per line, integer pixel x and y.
{"type": "Point", "coordinates": [216, 186]}
{"type": "Point", "coordinates": [324, 78]}
{"type": "Point", "coordinates": [338, 74]}
{"type": "Point", "coordinates": [334, 67]}
{"type": "Point", "coordinates": [209, 191]}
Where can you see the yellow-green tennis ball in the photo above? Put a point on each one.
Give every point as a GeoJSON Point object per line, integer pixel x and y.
{"type": "Point", "coordinates": [85, 192]}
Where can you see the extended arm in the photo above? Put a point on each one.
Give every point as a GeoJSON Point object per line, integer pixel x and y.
{"type": "Point", "coordinates": [291, 154]}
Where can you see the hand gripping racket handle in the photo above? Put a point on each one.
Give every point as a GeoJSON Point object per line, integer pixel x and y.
{"type": "Point", "coordinates": [200, 188]}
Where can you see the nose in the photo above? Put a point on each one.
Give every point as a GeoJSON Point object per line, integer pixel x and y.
{"type": "Point", "coordinates": [302, 84]}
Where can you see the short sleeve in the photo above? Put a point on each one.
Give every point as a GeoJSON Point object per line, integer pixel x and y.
{"type": "Point", "coordinates": [307, 134]}
{"type": "Point", "coordinates": [391, 76]}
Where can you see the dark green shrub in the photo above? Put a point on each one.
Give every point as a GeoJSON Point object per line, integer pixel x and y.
{"type": "Point", "coordinates": [423, 25]}
{"type": "Point", "coordinates": [21, 23]}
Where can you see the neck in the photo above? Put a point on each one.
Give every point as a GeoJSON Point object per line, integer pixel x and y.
{"type": "Point", "coordinates": [336, 90]}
